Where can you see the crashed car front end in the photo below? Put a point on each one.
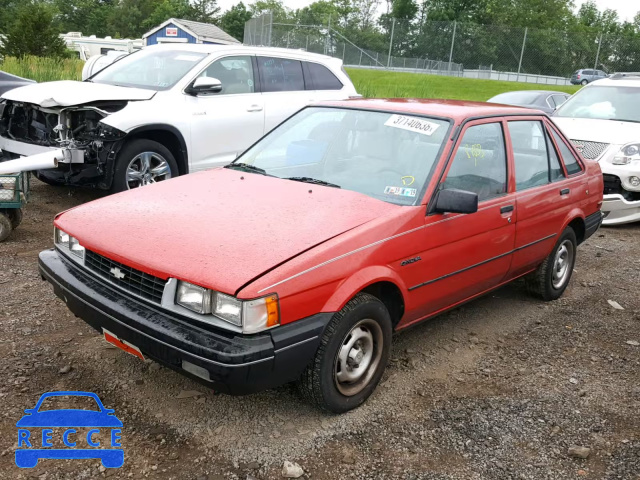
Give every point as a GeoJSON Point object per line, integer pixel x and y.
{"type": "Point", "coordinates": [90, 145]}
{"type": "Point", "coordinates": [621, 171]}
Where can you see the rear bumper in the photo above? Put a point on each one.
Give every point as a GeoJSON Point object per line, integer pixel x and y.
{"type": "Point", "coordinates": [234, 363]}
{"type": "Point", "coordinates": [618, 211]}
{"type": "Point", "coordinates": [592, 223]}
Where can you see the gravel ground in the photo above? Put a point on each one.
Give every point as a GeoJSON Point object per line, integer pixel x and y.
{"type": "Point", "coordinates": [501, 388]}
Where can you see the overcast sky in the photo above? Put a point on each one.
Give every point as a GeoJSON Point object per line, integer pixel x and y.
{"type": "Point", "coordinates": [626, 8]}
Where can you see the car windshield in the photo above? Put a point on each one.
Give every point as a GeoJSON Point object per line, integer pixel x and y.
{"type": "Point", "coordinates": [603, 102]}
{"type": "Point", "coordinates": [383, 155]}
{"type": "Point", "coordinates": [152, 69]}
{"type": "Point", "coordinates": [524, 98]}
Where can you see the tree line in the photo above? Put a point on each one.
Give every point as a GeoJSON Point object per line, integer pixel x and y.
{"type": "Point", "coordinates": [488, 31]}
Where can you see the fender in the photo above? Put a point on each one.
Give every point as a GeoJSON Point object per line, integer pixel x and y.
{"type": "Point", "coordinates": [360, 280]}
{"type": "Point", "coordinates": [573, 214]}
{"type": "Point", "coordinates": [167, 128]}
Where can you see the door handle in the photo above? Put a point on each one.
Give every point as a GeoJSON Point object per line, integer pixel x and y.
{"type": "Point", "coordinates": [565, 191]}
{"type": "Point", "coordinates": [254, 108]}
{"type": "Point", "coordinates": [507, 209]}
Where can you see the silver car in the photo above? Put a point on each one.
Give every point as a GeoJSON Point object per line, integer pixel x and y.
{"type": "Point", "coordinates": [585, 76]}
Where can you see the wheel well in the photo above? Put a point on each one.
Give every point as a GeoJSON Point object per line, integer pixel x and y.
{"type": "Point", "coordinates": [389, 294]}
{"type": "Point", "coordinates": [169, 140]}
{"type": "Point", "coordinates": [578, 227]}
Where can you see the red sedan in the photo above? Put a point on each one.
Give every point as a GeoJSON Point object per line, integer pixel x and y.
{"type": "Point", "coordinates": [346, 223]}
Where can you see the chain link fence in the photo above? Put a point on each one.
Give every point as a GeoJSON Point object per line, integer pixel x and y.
{"type": "Point", "coordinates": [456, 48]}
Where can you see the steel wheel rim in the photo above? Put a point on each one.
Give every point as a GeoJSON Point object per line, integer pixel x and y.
{"type": "Point", "coordinates": [562, 264]}
{"type": "Point", "coordinates": [147, 168]}
{"type": "Point", "coordinates": [358, 357]}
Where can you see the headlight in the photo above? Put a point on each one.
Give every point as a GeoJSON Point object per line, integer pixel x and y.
{"type": "Point", "coordinates": [627, 154]}
{"type": "Point", "coordinates": [68, 243]}
{"type": "Point", "coordinates": [194, 297]}
{"type": "Point", "coordinates": [251, 315]}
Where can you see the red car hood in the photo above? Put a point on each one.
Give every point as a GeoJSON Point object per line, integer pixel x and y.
{"type": "Point", "coordinates": [219, 229]}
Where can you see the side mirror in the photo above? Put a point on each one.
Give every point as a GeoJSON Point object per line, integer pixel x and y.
{"type": "Point", "coordinates": [205, 85]}
{"type": "Point", "coordinates": [451, 200]}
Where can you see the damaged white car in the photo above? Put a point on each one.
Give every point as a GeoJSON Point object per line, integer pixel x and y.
{"type": "Point", "coordinates": [164, 111]}
{"type": "Point", "coordinates": [603, 122]}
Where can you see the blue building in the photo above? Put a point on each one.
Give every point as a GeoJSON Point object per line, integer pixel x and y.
{"type": "Point", "coordinates": [175, 30]}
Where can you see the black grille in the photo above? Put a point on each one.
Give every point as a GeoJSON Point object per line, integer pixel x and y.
{"type": "Point", "coordinates": [134, 281]}
{"type": "Point", "coordinates": [612, 184]}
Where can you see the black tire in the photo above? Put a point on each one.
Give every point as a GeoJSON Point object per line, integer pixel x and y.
{"type": "Point", "coordinates": [319, 383]}
{"type": "Point", "coordinates": [48, 181]}
{"type": "Point", "coordinates": [584, 82]}
{"type": "Point", "coordinates": [543, 282]}
{"type": "Point", "coordinates": [15, 216]}
{"type": "Point", "coordinates": [5, 227]}
{"type": "Point", "coordinates": [130, 152]}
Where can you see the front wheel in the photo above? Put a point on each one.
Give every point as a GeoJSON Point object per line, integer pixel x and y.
{"type": "Point", "coordinates": [552, 277]}
{"type": "Point", "coordinates": [353, 353]}
{"type": "Point", "coordinates": [143, 162]}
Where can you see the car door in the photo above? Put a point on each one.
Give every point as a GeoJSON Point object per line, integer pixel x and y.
{"type": "Point", "coordinates": [465, 255]}
{"type": "Point", "coordinates": [544, 197]}
{"type": "Point", "coordinates": [283, 88]}
{"type": "Point", "coordinates": [224, 124]}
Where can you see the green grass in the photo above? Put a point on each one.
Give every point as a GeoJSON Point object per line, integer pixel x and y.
{"type": "Point", "coordinates": [44, 69]}
{"type": "Point", "coordinates": [382, 84]}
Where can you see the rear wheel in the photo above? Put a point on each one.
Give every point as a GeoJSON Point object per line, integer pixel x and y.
{"type": "Point", "coordinates": [353, 353]}
{"type": "Point", "coordinates": [143, 162]}
{"type": "Point", "coordinates": [584, 82]}
{"type": "Point", "coordinates": [5, 227]}
{"type": "Point", "coordinates": [552, 277]}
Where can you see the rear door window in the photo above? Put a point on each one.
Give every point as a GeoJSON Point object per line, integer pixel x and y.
{"type": "Point", "coordinates": [280, 74]}
{"type": "Point", "coordinates": [570, 162]}
{"type": "Point", "coordinates": [480, 164]}
{"type": "Point", "coordinates": [322, 78]}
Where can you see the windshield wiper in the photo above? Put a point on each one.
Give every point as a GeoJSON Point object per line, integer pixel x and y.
{"type": "Point", "coordinates": [314, 181]}
{"type": "Point", "coordinates": [624, 120]}
{"type": "Point", "coordinates": [247, 167]}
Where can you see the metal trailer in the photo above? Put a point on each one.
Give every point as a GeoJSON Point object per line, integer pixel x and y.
{"type": "Point", "coordinates": [14, 194]}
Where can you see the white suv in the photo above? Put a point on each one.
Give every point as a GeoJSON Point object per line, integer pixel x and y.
{"type": "Point", "coordinates": [164, 111]}
{"type": "Point", "coordinates": [603, 122]}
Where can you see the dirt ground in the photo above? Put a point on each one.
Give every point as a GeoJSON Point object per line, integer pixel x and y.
{"type": "Point", "coordinates": [501, 388]}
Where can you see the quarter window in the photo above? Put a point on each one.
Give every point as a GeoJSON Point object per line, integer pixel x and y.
{"type": "Point", "coordinates": [280, 74]}
{"type": "Point", "coordinates": [322, 77]}
{"type": "Point", "coordinates": [570, 162]}
{"type": "Point", "coordinates": [530, 154]}
{"type": "Point", "coordinates": [235, 74]}
{"type": "Point", "coordinates": [480, 164]}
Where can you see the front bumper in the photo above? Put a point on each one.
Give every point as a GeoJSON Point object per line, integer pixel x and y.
{"type": "Point", "coordinates": [236, 364]}
{"type": "Point", "coordinates": [617, 210]}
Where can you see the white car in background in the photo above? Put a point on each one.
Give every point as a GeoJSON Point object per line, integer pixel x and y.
{"type": "Point", "coordinates": [603, 122]}
{"type": "Point", "coordinates": [164, 111]}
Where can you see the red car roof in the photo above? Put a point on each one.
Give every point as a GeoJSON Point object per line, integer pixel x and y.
{"type": "Point", "coordinates": [456, 109]}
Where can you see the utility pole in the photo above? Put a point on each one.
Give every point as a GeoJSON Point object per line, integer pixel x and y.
{"type": "Point", "coordinates": [393, 27]}
{"type": "Point", "coordinates": [595, 66]}
{"type": "Point", "coordinates": [526, 30]}
{"type": "Point", "coordinates": [453, 41]}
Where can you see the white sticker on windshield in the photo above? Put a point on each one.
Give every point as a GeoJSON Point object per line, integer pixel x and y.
{"type": "Point", "coordinates": [412, 124]}
{"type": "Point", "coordinates": [403, 192]}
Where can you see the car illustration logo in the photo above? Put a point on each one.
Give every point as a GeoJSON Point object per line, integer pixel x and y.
{"type": "Point", "coordinates": [116, 272]}
{"type": "Point", "coordinates": [34, 445]}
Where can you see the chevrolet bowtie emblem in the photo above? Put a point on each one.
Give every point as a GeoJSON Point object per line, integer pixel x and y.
{"type": "Point", "coordinates": [116, 272]}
